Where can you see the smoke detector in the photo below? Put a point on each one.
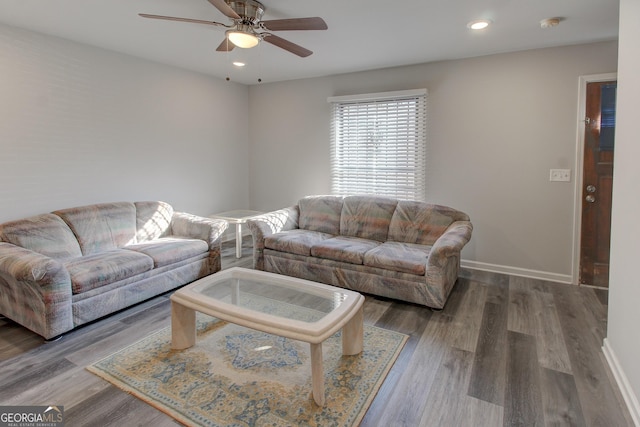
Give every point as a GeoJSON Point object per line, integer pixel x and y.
{"type": "Point", "coordinates": [549, 22]}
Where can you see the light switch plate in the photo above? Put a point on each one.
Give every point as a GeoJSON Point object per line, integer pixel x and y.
{"type": "Point", "coordinates": [563, 175]}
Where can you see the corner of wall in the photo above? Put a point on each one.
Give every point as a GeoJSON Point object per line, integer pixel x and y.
{"type": "Point", "coordinates": [623, 383]}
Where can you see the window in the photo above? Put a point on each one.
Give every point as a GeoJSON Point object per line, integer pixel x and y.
{"type": "Point", "coordinates": [378, 144]}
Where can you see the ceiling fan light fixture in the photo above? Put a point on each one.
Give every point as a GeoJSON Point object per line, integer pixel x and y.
{"type": "Point", "coordinates": [242, 39]}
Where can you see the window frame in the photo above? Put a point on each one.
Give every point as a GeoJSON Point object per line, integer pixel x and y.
{"type": "Point", "coordinates": [408, 181]}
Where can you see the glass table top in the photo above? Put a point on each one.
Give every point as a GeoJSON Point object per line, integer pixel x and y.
{"type": "Point", "coordinates": [271, 294]}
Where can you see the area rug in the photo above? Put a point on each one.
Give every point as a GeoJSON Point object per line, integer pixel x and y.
{"type": "Point", "coordinates": [235, 376]}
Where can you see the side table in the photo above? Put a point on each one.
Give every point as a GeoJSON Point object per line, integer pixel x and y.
{"type": "Point", "coordinates": [237, 217]}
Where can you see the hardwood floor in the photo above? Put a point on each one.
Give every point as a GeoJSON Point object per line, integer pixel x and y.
{"type": "Point", "coordinates": [504, 351]}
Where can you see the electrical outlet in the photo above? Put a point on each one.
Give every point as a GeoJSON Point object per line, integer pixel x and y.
{"type": "Point", "coordinates": [563, 175]}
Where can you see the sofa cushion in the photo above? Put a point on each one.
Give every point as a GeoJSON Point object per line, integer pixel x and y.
{"type": "Point", "coordinates": [397, 256]}
{"type": "Point", "coordinates": [153, 220]}
{"type": "Point", "coordinates": [46, 234]}
{"type": "Point", "coordinates": [102, 227]}
{"type": "Point", "coordinates": [367, 217]}
{"type": "Point", "coordinates": [344, 248]}
{"type": "Point", "coordinates": [168, 250]}
{"type": "Point", "coordinates": [321, 213]}
{"type": "Point", "coordinates": [92, 271]}
{"type": "Point", "coordinates": [295, 241]}
{"type": "Point", "coordinates": [422, 223]}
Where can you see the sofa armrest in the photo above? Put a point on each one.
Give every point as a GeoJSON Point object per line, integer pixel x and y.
{"type": "Point", "coordinates": [450, 243]}
{"type": "Point", "coordinates": [197, 227]}
{"type": "Point", "coordinates": [267, 224]}
{"type": "Point", "coordinates": [35, 291]}
{"type": "Point", "coordinates": [443, 262]}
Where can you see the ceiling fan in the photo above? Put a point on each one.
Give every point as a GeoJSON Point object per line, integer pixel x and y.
{"type": "Point", "coordinates": [247, 29]}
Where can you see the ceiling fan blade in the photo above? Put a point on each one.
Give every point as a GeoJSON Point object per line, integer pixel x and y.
{"type": "Point", "coordinates": [287, 45]}
{"type": "Point", "coordinates": [223, 7]}
{"type": "Point", "coordinates": [173, 18]}
{"type": "Point", "coordinates": [295, 24]}
{"type": "Point", "coordinates": [226, 45]}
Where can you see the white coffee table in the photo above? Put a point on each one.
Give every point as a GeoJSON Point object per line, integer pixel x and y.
{"type": "Point", "coordinates": [237, 295]}
{"type": "Point", "coordinates": [237, 217]}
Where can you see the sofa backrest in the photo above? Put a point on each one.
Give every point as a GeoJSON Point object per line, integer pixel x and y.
{"type": "Point", "coordinates": [46, 234]}
{"type": "Point", "coordinates": [101, 227]}
{"type": "Point", "coordinates": [422, 223]}
{"type": "Point", "coordinates": [367, 217]}
{"type": "Point", "coordinates": [320, 213]}
{"type": "Point", "coordinates": [153, 220]}
{"type": "Point", "coordinates": [377, 218]}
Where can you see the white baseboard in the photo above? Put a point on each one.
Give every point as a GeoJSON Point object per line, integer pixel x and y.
{"type": "Point", "coordinates": [516, 271]}
{"type": "Point", "coordinates": [623, 383]}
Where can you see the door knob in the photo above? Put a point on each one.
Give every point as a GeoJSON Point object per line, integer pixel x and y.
{"type": "Point", "coordinates": [591, 188]}
{"type": "Point", "coordinates": [590, 198]}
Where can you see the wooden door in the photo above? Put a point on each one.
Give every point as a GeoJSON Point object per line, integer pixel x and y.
{"type": "Point", "coordinates": [597, 183]}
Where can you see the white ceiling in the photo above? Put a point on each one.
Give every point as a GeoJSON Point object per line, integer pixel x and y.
{"type": "Point", "coordinates": [362, 34]}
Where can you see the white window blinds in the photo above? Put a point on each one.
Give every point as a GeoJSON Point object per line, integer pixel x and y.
{"type": "Point", "coordinates": [378, 144]}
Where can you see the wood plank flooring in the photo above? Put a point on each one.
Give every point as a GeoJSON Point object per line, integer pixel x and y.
{"type": "Point", "coordinates": [504, 351]}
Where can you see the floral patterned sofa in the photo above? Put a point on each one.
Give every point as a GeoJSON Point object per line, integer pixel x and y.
{"type": "Point", "coordinates": [399, 249]}
{"type": "Point", "coordinates": [63, 269]}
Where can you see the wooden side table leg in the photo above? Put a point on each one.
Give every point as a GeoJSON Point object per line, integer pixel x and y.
{"type": "Point", "coordinates": [317, 374]}
{"type": "Point", "coordinates": [353, 334]}
{"type": "Point", "coordinates": [183, 326]}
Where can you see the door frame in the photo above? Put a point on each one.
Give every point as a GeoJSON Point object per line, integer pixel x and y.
{"type": "Point", "coordinates": [579, 165]}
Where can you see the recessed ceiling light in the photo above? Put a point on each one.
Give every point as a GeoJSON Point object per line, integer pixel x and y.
{"type": "Point", "coordinates": [479, 24]}
{"type": "Point", "coordinates": [239, 64]}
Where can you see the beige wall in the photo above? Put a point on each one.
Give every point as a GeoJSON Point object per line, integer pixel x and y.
{"type": "Point", "coordinates": [81, 125]}
{"type": "Point", "coordinates": [497, 124]}
{"type": "Point", "coordinates": [622, 346]}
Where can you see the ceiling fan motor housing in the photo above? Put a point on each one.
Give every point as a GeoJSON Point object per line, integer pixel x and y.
{"type": "Point", "coordinates": [250, 11]}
